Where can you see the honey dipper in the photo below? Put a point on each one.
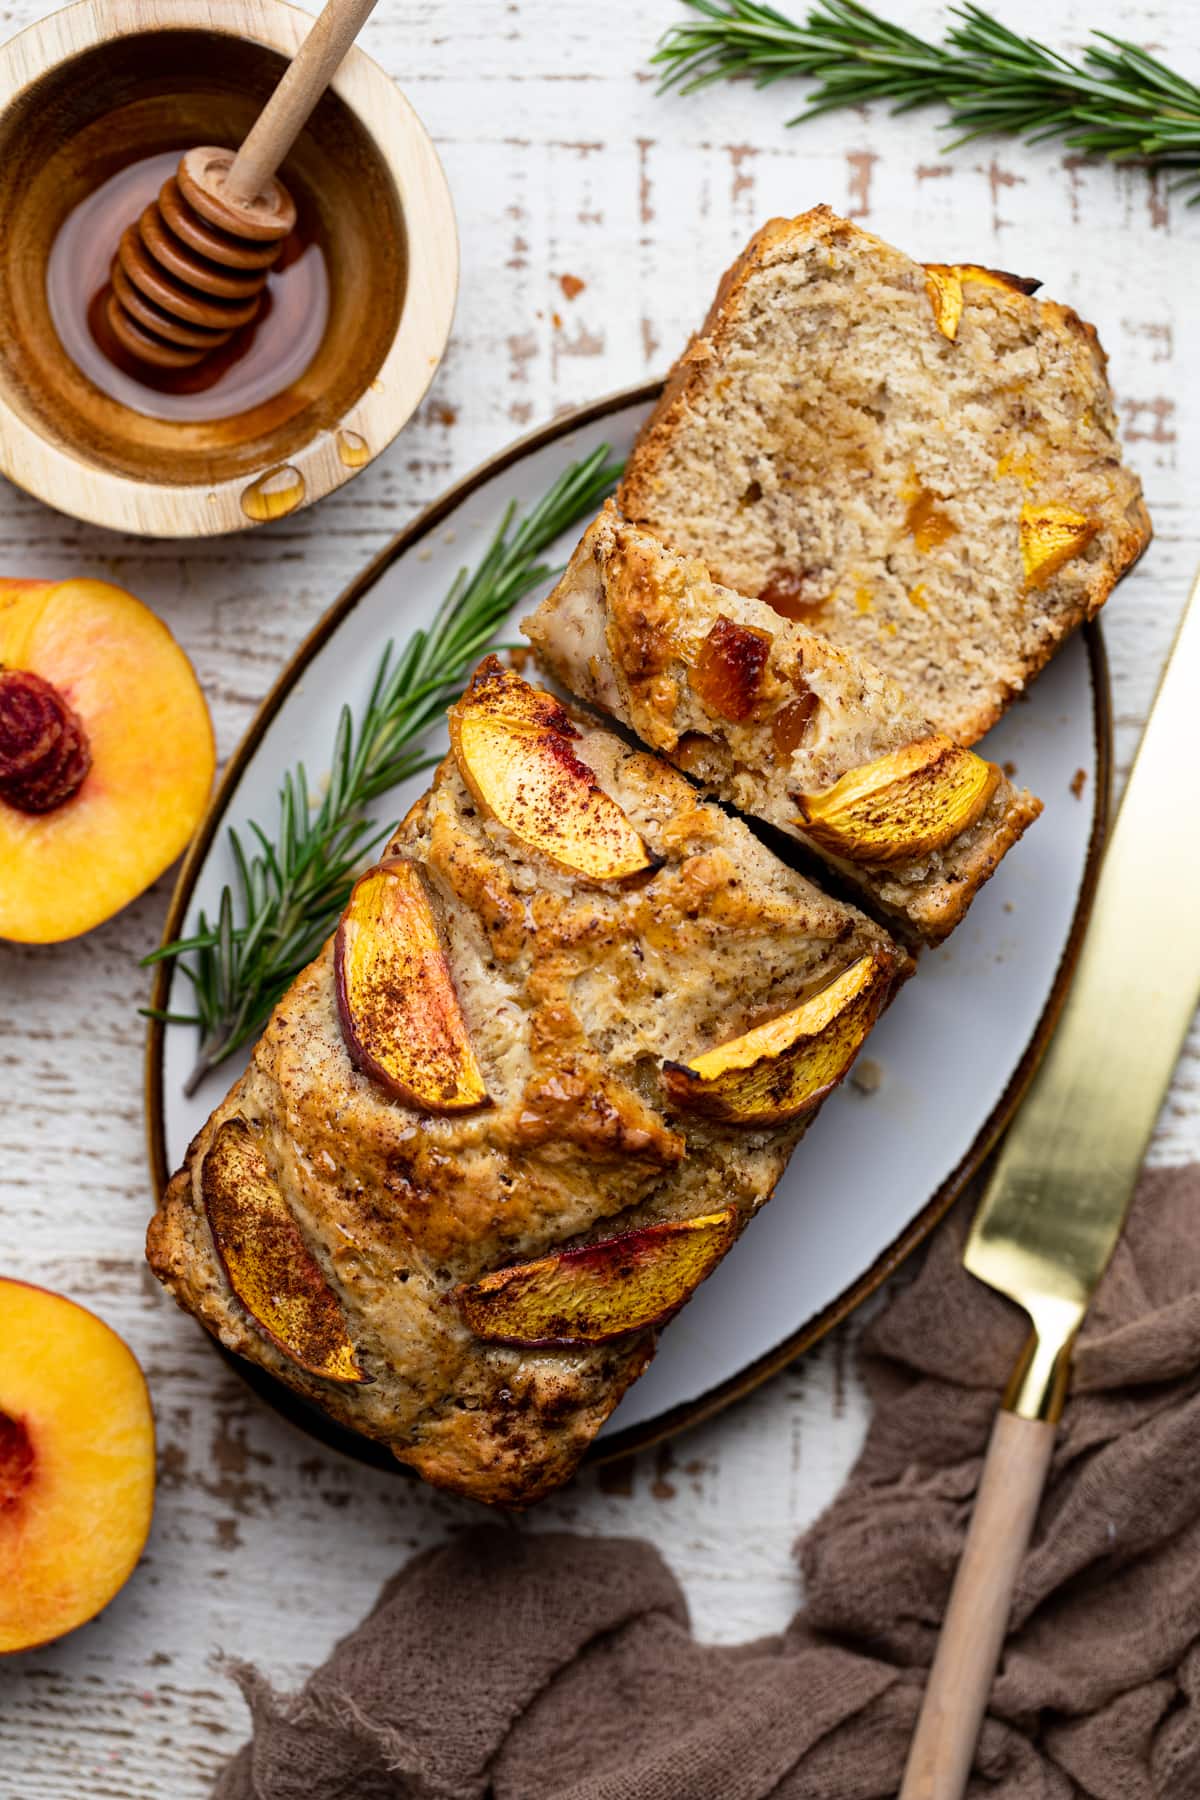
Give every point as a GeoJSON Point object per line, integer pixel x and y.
{"type": "Point", "coordinates": [192, 269]}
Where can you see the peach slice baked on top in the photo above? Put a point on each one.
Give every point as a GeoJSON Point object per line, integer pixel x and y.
{"type": "Point", "coordinates": [773, 719]}
{"type": "Point", "coordinates": [514, 749]}
{"type": "Point", "coordinates": [513, 1114]}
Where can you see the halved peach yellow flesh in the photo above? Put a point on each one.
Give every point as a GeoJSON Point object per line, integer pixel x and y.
{"type": "Point", "coordinates": [399, 1011]}
{"type": "Point", "coordinates": [602, 1290]}
{"type": "Point", "coordinates": [783, 1068]}
{"type": "Point", "coordinates": [266, 1260]}
{"type": "Point", "coordinates": [908, 803]}
{"type": "Point", "coordinates": [514, 746]}
{"type": "Point", "coordinates": [151, 751]}
{"type": "Point", "coordinates": [76, 1465]}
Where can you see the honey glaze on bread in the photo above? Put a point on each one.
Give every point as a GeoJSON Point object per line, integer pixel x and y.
{"type": "Point", "coordinates": [576, 990]}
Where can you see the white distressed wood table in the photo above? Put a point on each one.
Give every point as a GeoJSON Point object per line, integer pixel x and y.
{"type": "Point", "coordinates": [595, 218]}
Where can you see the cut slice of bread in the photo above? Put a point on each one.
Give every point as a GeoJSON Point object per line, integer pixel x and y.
{"type": "Point", "coordinates": [921, 463]}
{"type": "Point", "coordinates": [770, 717]}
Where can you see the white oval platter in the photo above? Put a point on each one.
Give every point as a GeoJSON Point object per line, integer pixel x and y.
{"type": "Point", "coordinates": [953, 1054]}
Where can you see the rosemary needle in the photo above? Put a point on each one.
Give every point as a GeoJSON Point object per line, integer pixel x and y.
{"type": "Point", "coordinates": [1116, 101]}
{"type": "Point", "coordinates": [292, 884]}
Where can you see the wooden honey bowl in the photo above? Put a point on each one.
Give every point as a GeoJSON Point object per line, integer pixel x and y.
{"type": "Point", "coordinates": [92, 89]}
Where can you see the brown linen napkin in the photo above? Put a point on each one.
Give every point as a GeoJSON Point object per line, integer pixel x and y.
{"type": "Point", "coordinates": [512, 1665]}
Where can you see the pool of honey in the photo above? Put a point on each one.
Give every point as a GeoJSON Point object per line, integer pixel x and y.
{"type": "Point", "coordinates": [261, 360]}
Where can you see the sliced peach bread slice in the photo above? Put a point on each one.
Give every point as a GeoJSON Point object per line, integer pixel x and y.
{"type": "Point", "coordinates": [773, 719]}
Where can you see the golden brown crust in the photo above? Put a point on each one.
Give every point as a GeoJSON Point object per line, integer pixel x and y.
{"type": "Point", "coordinates": [574, 993]}
{"type": "Point", "coordinates": [1070, 598]}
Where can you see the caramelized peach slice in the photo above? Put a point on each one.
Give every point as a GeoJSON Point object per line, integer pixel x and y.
{"type": "Point", "coordinates": [729, 668]}
{"type": "Point", "coordinates": [791, 723]}
{"type": "Point", "coordinates": [1050, 536]}
{"type": "Point", "coordinates": [400, 1014]}
{"type": "Point", "coordinates": [927, 522]}
{"type": "Point", "coordinates": [106, 755]}
{"type": "Point", "coordinates": [798, 594]}
{"type": "Point", "coordinates": [785, 1067]}
{"type": "Point", "coordinates": [514, 748]}
{"type": "Point", "coordinates": [76, 1465]}
{"type": "Point", "coordinates": [944, 285]}
{"type": "Point", "coordinates": [266, 1260]}
{"type": "Point", "coordinates": [599, 1291]}
{"type": "Point", "coordinates": [908, 803]}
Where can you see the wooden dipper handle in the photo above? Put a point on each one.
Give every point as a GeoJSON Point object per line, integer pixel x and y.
{"type": "Point", "coordinates": [283, 117]}
{"type": "Point", "coordinates": [956, 1695]}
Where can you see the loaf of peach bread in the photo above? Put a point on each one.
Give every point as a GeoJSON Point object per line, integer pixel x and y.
{"type": "Point", "coordinates": [553, 1061]}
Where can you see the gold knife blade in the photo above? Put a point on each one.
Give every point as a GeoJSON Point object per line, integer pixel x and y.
{"type": "Point", "coordinates": [1053, 1209]}
{"type": "Point", "coordinates": [1054, 1206]}
{"type": "Point", "coordinates": [1056, 1199]}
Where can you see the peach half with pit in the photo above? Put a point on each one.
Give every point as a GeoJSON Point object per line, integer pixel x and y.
{"type": "Point", "coordinates": [76, 1465]}
{"type": "Point", "coordinates": [784, 1067]}
{"type": "Point", "coordinates": [400, 1016]}
{"type": "Point", "coordinates": [598, 1291]}
{"type": "Point", "coordinates": [911, 802]}
{"type": "Point", "coordinates": [266, 1260]}
{"type": "Point", "coordinates": [515, 749]}
{"type": "Point", "coordinates": [106, 755]}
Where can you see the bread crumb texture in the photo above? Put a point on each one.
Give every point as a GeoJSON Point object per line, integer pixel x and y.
{"type": "Point", "coordinates": [825, 444]}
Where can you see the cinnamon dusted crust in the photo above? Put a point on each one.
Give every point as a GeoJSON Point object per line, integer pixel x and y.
{"type": "Point", "coordinates": [821, 438]}
{"type": "Point", "coordinates": [574, 993]}
{"type": "Point", "coordinates": [625, 629]}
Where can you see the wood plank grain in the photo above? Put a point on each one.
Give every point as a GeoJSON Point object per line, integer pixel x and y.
{"type": "Point", "coordinates": [563, 164]}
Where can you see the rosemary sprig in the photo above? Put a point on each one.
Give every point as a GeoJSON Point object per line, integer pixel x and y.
{"type": "Point", "coordinates": [1117, 101]}
{"type": "Point", "coordinates": [291, 888]}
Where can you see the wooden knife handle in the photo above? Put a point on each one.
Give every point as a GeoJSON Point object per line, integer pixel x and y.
{"type": "Point", "coordinates": [1014, 1474]}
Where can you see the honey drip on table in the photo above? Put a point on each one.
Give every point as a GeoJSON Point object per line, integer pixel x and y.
{"type": "Point", "coordinates": [260, 361]}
